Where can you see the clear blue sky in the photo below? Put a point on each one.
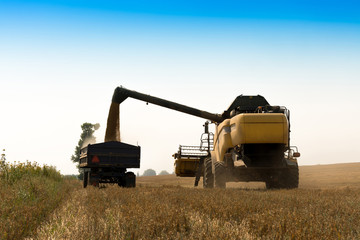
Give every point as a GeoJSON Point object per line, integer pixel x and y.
{"type": "Point", "coordinates": [61, 60]}
{"type": "Point", "coordinates": [305, 10]}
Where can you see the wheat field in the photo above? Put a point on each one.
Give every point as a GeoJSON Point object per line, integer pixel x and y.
{"type": "Point", "coordinates": [29, 193]}
{"type": "Point", "coordinates": [326, 206]}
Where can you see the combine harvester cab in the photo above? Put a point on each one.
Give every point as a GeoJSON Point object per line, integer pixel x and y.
{"type": "Point", "coordinates": [108, 162]}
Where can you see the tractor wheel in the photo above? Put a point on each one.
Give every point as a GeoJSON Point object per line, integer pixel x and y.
{"type": "Point", "coordinates": [85, 179]}
{"type": "Point", "coordinates": [208, 179]}
{"type": "Point", "coordinates": [220, 175]}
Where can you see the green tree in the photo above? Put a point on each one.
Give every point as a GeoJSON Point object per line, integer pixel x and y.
{"type": "Point", "coordinates": [163, 172]}
{"type": "Point", "coordinates": [86, 138]}
{"type": "Point", "coordinates": [3, 165]}
{"type": "Point", "coordinates": [149, 172]}
{"type": "Point", "coordinates": [3, 157]}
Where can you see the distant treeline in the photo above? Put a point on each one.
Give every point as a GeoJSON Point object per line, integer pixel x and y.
{"type": "Point", "coordinates": [152, 172]}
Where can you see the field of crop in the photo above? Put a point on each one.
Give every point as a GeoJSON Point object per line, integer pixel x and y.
{"type": "Point", "coordinates": [29, 193]}
{"type": "Point", "coordinates": [326, 206]}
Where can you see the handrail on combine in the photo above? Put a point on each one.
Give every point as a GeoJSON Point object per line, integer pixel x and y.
{"type": "Point", "coordinates": [191, 151]}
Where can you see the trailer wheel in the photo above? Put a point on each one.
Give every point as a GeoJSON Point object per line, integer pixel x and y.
{"type": "Point", "coordinates": [220, 175]}
{"type": "Point", "coordinates": [85, 179]}
{"type": "Point", "coordinates": [93, 179]}
{"type": "Point", "coordinates": [208, 179]}
{"type": "Point", "coordinates": [130, 180]}
{"type": "Point", "coordinates": [270, 184]}
{"type": "Point", "coordinates": [121, 183]}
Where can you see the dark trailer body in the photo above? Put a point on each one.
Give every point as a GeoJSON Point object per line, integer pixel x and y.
{"type": "Point", "coordinates": [107, 163]}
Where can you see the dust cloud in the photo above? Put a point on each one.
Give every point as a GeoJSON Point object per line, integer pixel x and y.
{"type": "Point", "coordinates": [89, 140]}
{"type": "Point", "coordinates": [113, 124]}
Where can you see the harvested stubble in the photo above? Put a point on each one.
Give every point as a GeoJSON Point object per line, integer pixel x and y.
{"type": "Point", "coordinates": [185, 213]}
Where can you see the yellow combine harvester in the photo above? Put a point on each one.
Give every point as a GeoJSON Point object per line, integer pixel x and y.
{"type": "Point", "coordinates": [251, 143]}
